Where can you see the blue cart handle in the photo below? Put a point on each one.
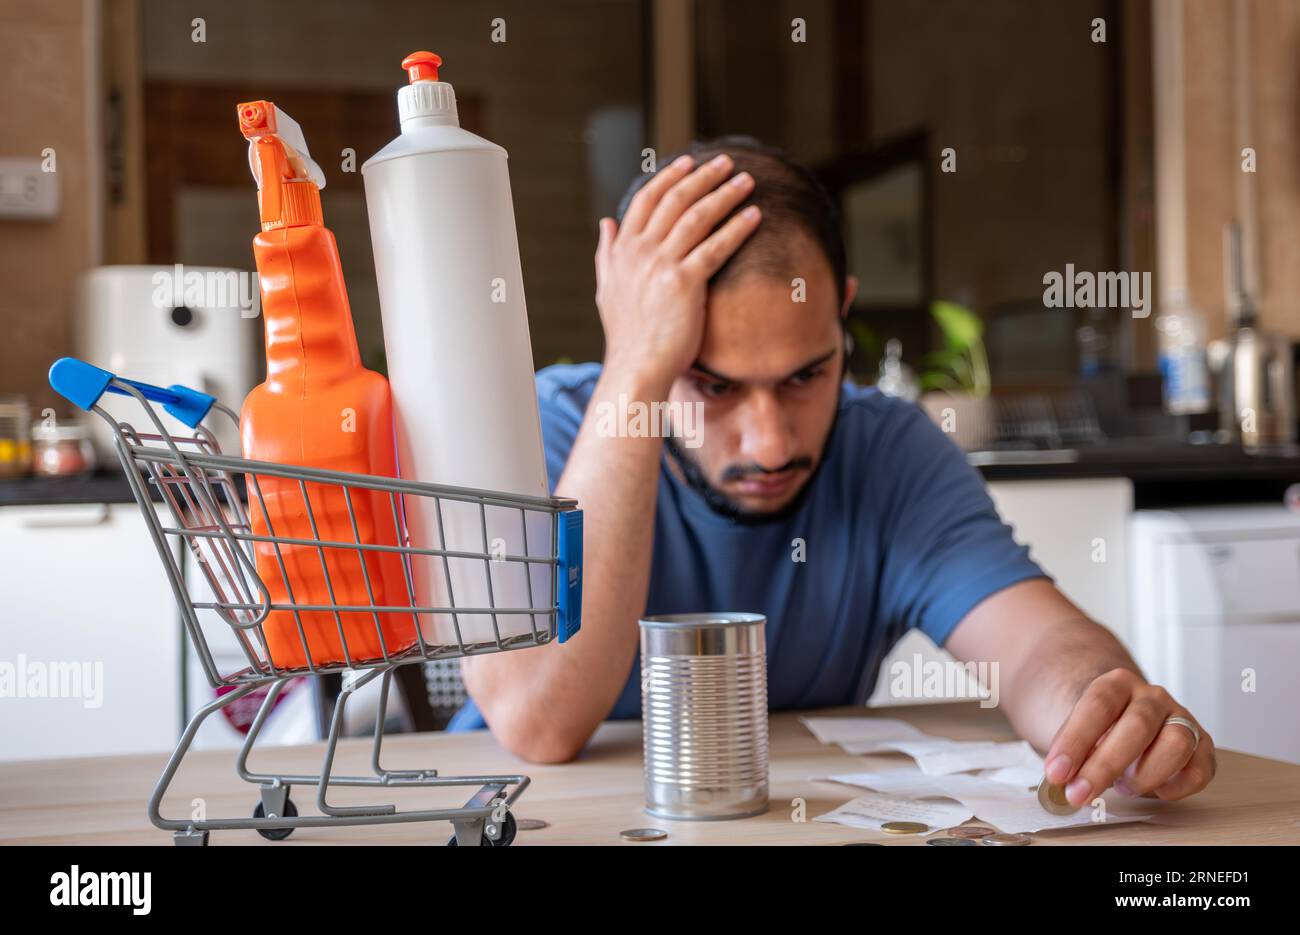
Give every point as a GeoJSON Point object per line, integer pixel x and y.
{"type": "Point", "coordinates": [83, 384]}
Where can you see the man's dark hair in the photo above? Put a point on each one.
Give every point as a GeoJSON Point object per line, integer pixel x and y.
{"type": "Point", "coordinates": [791, 199]}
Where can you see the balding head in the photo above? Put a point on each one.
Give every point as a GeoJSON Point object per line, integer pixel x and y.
{"type": "Point", "coordinates": [793, 203]}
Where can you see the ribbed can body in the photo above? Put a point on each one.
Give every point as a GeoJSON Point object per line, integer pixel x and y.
{"type": "Point", "coordinates": [704, 715]}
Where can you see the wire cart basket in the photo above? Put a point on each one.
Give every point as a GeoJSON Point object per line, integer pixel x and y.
{"type": "Point", "coordinates": [204, 512]}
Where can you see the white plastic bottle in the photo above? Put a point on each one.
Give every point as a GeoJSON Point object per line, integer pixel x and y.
{"type": "Point", "coordinates": [1182, 358]}
{"type": "Point", "coordinates": [459, 359]}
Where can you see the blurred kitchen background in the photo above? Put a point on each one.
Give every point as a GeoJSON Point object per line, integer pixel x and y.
{"type": "Point", "coordinates": [975, 149]}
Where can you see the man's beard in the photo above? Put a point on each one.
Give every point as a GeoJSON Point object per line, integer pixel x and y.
{"type": "Point", "coordinates": [723, 505]}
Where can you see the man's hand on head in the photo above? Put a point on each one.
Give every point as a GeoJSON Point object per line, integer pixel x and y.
{"type": "Point", "coordinates": [1119, 734]}
{"type": "Point", "coordinates": [652, 272]}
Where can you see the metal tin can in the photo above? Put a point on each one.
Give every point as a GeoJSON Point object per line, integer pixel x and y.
{"type": "Point", "coordinates": [704, 715]}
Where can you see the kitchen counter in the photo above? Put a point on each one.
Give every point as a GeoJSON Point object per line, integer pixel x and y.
{"type": "Point", "coordinates": [1164, 474]}
{"type": "Point", "coordinates": [103, 486]}
{"type": "Point", "coordinates": [1141, 461]}
{"type": "Point", "coordinates": [1252, 800]}
{"type": "Point", "coordinates": [1161, 472]}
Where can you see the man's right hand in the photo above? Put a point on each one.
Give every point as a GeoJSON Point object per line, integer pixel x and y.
{"type": "Point", "coordinates": [652, 274]}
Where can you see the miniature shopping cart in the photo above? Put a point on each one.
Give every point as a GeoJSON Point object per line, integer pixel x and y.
{"type": "Point", "coordinates": [203, 495]}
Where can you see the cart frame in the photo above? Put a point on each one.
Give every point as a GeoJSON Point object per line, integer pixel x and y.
{"type": "Point", "coordinates": [199, 486]}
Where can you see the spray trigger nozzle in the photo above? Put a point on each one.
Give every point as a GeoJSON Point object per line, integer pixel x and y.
{"type": "Point", "coordinates": [259, 120]}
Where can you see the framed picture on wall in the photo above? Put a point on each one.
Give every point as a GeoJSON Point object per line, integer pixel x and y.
{"type": "Point", "coordinates": [884, 196]}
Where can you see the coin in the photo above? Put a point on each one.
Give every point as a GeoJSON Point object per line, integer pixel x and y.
{"type": "Point", "coordinates": [643, 834]}
{"type": "Point", "coordinates": [863, 844]}
{"type": "Point", "coordinates": [951, 842]}
{"type": "Point", "coordinates": [1005, 840]}
{"type": "Point", "coordinates": [1052, 798]}
{"type": "Point", "coordinates": [969, 831]}
{"type": "Point", "coordinates": [531, 824]}
{"type": "Point", "coordinates": [905, 827]}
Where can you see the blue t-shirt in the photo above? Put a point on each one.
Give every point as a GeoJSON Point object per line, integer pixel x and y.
{"type": "Point", "coordinates": [895, 531]}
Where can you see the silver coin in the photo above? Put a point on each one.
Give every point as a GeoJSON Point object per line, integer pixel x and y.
{"type": "Point", "coordinates": [1005, 840]}
{"type": "Point", "coordinates": [1052, 798]}
{"type": "Point", "coordinates": [951, 842]}
{"type": "Point", "coordinates": [531, 824]}
{"type": "Point", "coordinates": [643, 834]}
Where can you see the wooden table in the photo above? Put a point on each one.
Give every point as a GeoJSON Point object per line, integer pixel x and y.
{"type": "Point", "coordinates": [102, 800]}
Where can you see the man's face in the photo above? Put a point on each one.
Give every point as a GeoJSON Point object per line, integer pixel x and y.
{"type": "Point", "coordinates": [768, 380]}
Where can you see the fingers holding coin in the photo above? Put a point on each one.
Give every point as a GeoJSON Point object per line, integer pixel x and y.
{"type": "Point", "coordinates": [1126, 732]}
{"type": "Point", "coordinates": [1100, 707]}
{"type": "Point", "coordinates": [1136, 735]}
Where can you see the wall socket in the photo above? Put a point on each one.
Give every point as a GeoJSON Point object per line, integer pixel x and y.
{"type": "Point", "coordinates": [26, 192]}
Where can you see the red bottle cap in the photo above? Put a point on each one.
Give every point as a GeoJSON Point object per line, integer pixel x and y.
{"type": "Point", "coordinates": [422, 66]}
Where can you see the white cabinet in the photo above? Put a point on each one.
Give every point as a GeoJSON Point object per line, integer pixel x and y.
{"type": "Point", "coordinates": [90, 637]}
{"type": "Point", "coordinates": [1216, 615]}
{"type": "Point", "coordinates": [1077, 532]}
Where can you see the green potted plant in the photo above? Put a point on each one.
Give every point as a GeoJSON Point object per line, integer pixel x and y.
{"type": "Point", "coordinates": [956, 378]}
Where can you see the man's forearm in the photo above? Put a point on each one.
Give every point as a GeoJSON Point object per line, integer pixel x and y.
{"type": "Point", "coordinates": [544, 703]}
{"type": "Point", "coordinates": [1055, 671]}
{"type": "Point", "coordinates": [1048, 651]}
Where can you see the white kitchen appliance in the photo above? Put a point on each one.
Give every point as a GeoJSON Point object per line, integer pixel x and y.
{"type": "Point", "coordinates": [170, 324]}
{"type": "Point", "coordinates": [1215, 600]}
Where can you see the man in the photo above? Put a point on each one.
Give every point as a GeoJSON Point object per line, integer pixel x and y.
{"type": "Point", "coordinates": [846, 517]}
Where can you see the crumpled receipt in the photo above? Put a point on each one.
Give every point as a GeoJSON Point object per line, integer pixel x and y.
{"type": "Point", "coordinates": [852, 729]}
{"type": "Point", "coordinates": [874, 809]}
{"type": "Point", "coordinates": [936, 756]}
{"type": "Point", "coordinates": [1008, 806]}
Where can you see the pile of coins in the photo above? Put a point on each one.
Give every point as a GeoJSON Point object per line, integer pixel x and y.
{"type": "Point", "coordinates": [960, 836]}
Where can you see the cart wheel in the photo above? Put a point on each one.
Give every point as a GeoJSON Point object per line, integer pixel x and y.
{"type": "Point", "coordinates": [276, 834]}
{"type": "Point", "coordinates": [509, 828]}
{"type": "Point", "coordinates": [482, 842]}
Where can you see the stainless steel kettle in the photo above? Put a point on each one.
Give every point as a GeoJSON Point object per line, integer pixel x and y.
{"type": "Point", "coordinates": [1255, 373]}
{"type": "Point", "coordinates": [1254, 369]}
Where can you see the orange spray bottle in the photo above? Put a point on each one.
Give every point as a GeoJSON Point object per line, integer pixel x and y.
{"type": "Point", "coordinates": [318, 408]}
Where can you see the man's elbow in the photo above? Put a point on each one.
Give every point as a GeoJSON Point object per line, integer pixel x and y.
{"type": "Point", "coordinates": [521, 721]}
{"type": "Point", "coordinates": [542, 750]}
{"type": "Point", "coordinates": [537, 747]}
{"type": "Point", "coordinates": [536, 744]}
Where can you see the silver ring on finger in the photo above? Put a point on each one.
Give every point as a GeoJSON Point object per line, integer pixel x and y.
{"type": "Point", "coordinates": [1190, 725]}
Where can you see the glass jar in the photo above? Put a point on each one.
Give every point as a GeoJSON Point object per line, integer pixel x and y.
{"type": "Point", "coordinates": [61, 450]}
{"type": "Point", "coordinates": [15, 426]}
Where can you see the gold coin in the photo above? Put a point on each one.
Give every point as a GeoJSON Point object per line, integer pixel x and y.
{"type": "Point", "coordinates": [905, 827]}
{"type": "Point", "coordinates": [1005, 840]}
{"type": "Point", "coordinates": [1052, 798]}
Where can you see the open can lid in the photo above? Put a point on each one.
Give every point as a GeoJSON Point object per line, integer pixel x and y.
{"type": "Point", "coordinates": [702, 620]}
